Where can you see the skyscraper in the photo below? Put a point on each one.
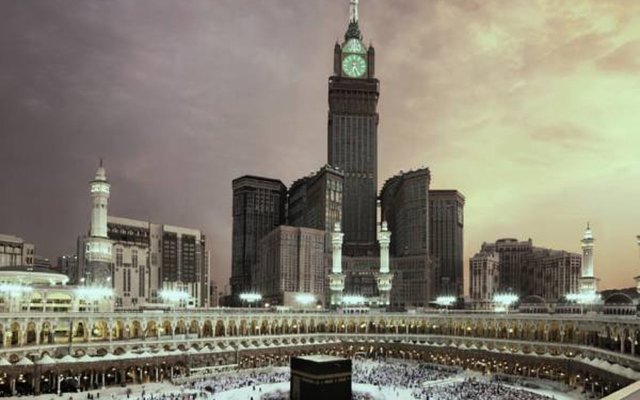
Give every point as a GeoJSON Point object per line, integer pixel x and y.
{"type": "Point", "coordinates": [316, 201]}
{"type": "Point", "coordinates": [259, 206]}
{"type": "Point", "coordinates": [446, 227]}
{"type": "Point", "coordinates": [405, 207]}
{"type": "Point", "coordinates": [353, 135]}
{"type": "Point", "coordinates": [405, 201]}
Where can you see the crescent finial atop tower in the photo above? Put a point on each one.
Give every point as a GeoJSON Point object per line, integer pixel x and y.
{"type": "Point", "coordinates": [353, 10]}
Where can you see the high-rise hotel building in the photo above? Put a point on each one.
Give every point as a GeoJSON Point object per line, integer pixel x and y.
{"type": "Point", "coordinates": [405, 207]}
{"type": "Point", "coordinates": [446, 240]}
{"type": "Point", "coordinates": [518, 267]}
{"type": "Point", "coordinates": [259, 206]}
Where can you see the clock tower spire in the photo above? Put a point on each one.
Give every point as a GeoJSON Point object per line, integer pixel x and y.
{"type": "Point", "coordinates": [353, 32]}
{"type": "Point", "coordinates": [353, 11]}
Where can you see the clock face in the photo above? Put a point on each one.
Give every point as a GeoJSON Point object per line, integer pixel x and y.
{"type": "Point", "coordinates": [354, 66]}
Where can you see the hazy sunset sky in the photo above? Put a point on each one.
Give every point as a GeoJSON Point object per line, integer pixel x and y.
{"type": "Point", "coordinates": [530, 108]}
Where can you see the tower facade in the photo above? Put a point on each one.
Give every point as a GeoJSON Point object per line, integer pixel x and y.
{"type": "Point", "coordinates": [484, 274]}
{"type": "Point", "coordinates": [353, 135]}
{"type": "Point", "coordinates": [97, 247]}
{"type": "Point", "coordinates": [405, 207]}
{"type": "Point", "coordinates": [258, 207]}
{"type": "Point", "coordinates": [446, 240]}
{"type": "Point", "coordinates": [316, 201]}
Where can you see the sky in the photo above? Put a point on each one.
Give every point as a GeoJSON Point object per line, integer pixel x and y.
{"type": "Point", "coordinates": [529, 108]}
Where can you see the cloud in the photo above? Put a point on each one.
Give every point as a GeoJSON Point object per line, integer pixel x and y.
{"type": "Point", "coordinates": [528, 107]}
{"type": "Point", "coordinates": [623, 59]}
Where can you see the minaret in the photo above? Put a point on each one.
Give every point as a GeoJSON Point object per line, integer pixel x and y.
{"type": "Point", "coordinates": [588, 282]}
{"type": "Point", "coordinates": [98, 245]}
{"type": "Point", "coordinates": [384, 277]}
{"type": "Point", "coordinates": [100, 189]}
{"type": "Point", "coordinates": [336, 277]}
{"type": "Point", "coordinates": [637, 278]}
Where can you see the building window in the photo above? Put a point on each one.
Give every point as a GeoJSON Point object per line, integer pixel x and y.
{"type": "Point", "coordinates": [119, 257]}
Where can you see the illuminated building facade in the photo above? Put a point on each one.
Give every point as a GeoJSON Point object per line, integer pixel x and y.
{"type": "Point", "coordinates": [291, 260]}
{"type": "Point", "coordinates": [15, 251]}
{"type": "Point", "coordinates": [484, 275]}
{"type": "Point", "coordinates": [150, 257]}
{"type": "Point", "coordinates": [527, 270]}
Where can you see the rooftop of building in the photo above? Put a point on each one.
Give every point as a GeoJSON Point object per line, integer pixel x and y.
{"type": "Point", "coordinates": [30, 269]}
{"type": "Point", "coordinates": [11, 239]}
{"type": "Point", "coordinates": [127, 222]}
{"type": "Point", "coordinates": [134, 223]}
{"type": "Point", "coordinates": [402, 175]}
{"type": "Point", "coordinates": [315, 175]}
{"type": "Point", "coordinates": [446, 193]}
{"type": "Point", "coordinates": [32, 275]}
{"type": "Point", "coordinates": [264, 179]}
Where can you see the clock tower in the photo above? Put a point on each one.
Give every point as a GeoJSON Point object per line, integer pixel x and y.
{"type": "Point", "coordinates": [353, 135]}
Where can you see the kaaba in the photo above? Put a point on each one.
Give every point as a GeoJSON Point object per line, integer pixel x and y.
{"type": "Point", "coordinates": [320, 377]}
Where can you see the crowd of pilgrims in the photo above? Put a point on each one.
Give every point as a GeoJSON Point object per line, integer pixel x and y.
{"type": "Point", "coordinates": [472, 388]}
{"type": "Point", "coordinates": [379, 373]}
{"type": "Point", "coordinates": [423, 380]}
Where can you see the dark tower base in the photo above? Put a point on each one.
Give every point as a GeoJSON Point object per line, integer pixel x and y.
{"type": "Point", "coordinates": [320, 377]}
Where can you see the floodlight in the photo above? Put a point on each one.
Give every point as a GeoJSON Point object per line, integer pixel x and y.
{"type": "Point", "coordinates": [353, 300]}
{"type": "Point", "coordinates": [305, 298]}
{"type": "Point", "coordinates": [505, 299]}
{"type": "Point", "coordinates": [250, 297]}
{"type": "Point", "coordinates": [15, 289]}
{"type": "Point", "coordinates": [93, 293]}
{"type": "Point", "coordinates": [589, 297]}
{"type": "Point", "coordinates": [445, 301]}
{"type": "Point", "coordinates": [173, 296]}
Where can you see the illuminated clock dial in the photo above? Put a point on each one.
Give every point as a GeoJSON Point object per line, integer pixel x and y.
{"type": "Point", "coordinates": [354, 66]}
